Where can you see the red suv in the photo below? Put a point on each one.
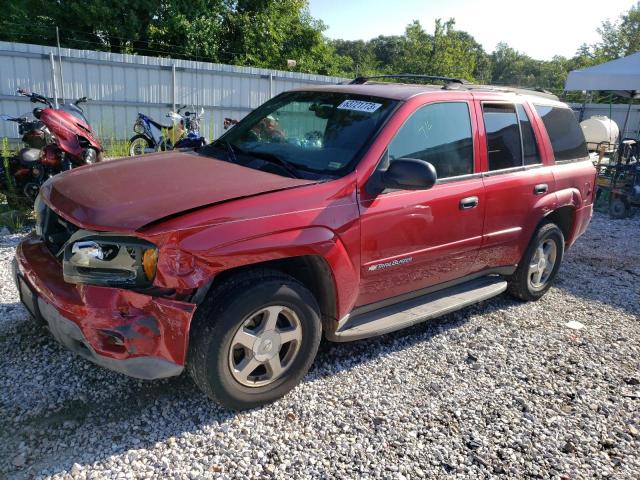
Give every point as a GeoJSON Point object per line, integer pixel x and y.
{"type": "Point", "coordinates": [349, 210]}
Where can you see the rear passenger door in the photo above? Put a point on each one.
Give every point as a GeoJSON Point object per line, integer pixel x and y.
{"type": "Point", "coordinates": [518, 181]}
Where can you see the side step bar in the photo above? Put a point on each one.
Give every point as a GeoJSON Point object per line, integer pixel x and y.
{"type": "Point", "coordinates": [416, 310]}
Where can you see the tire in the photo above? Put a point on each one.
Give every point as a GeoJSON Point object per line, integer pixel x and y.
{"type": "Point", "coordinates": [523, 283]}
{"type": "Point", "coordinates": [216, 355]}
{"type": "Point", "coordinates": [135, 141]}
{"type": "Point", "coordinates": [619, 208]}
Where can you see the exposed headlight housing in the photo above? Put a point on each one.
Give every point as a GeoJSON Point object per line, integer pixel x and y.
{"type": "Point", "coordinates": [110, 260]}
{"type": "Point", "coordinates": [40, 211]}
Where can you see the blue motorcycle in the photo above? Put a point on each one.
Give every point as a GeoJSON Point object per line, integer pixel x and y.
{"type": "Point", "coordinates": [152, 136]}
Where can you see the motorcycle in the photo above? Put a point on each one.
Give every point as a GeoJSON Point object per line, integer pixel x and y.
{"type": "Point", "coordinates": [59, 139]}
{"type": "Point", "coordinates": [152, 136]}
{"type": "Point", "coordinates": [35, 134]}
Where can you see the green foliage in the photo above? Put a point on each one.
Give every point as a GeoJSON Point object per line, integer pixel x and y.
{"type": "Point", "coordinates": [5, 152]}
{"type": "Point", "coordinates": [619, 38]}
{"type": "Point", "coordinates": [267, 33]}
{"type": "Point", "coordinates": [115, 148]}
{"type": "Point", "coordinates": [261, 33]}
{"type": "Point", "coordinates": [446, 52]}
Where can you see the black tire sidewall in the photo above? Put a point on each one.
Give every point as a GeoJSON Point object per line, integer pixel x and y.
{"type": "Point", "coordinates": [620, 202]}
{"type": "Point", "coordinates": [229, 317]}
{"type": "Point", "coordinates": [137, 137]}
{"type": "Point", "coordinates": [546, 231]}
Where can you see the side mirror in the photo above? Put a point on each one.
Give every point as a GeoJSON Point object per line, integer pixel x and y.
{"type": "Point", "coordinates": [409, 174]}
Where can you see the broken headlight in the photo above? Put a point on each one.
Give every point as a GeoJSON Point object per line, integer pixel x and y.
{"type": "Point", "coordinates": [40, 211]}
{"type": "Point", "coordinates": [110, 260]}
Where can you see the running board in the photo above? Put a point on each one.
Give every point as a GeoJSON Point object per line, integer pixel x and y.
{"type": "Point", "coordinates": [416, 310]}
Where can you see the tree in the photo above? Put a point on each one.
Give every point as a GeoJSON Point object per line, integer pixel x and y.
{"type": "Point", "coordinates": [619, 38]}
{"type": "Point", "coordinates": [360, 54]}
{"type": "Point", "coordinates": [191, 29]}
{"type": "Point", "coordinates": [96, 25]}
{"type": "Point", "coordinates": [264, 33]}
{"type": "Point", "coordinates": [267, 33]}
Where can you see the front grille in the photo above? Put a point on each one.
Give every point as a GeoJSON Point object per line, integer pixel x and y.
{"type": "Point", "coordinates": [56, 231]}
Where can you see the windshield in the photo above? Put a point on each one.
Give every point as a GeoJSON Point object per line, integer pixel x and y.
{"type": "Point", "coordinates": [304, 134]}
{"type": "Point", "coordinates": [72, 109]}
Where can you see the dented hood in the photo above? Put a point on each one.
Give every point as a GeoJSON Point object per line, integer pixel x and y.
{"type": "Point", "coordinates": [127, 194]}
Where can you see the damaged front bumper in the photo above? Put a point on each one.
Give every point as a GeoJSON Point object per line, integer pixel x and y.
{"type": "Point", "coordinates": [129, 332]}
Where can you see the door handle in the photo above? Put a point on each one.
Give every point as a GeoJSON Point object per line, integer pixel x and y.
{"type": "Point", "coordinates": [468, 203]}
{"type": "Point", "coordinates": [541, 188]}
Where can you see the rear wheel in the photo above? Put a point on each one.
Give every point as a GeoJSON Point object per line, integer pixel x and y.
{"type": "Point", "coordinates": [254, 338]}
{"type": "Point", "coordinates": [539, 265]}
{"type": "Point", "coordinates": [138, 145]}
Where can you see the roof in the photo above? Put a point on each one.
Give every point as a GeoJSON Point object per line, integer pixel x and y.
{"type": "Point", "coordinates": [394, 91]}
{"type": "Point", "coordinates": [621, 75]}
{"type": "Point", "coordinates": [404, 91]}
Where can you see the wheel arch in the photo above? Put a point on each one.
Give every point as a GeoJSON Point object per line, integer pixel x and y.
{"type": "Point", "coordinates": [564, 217]}
{"type": "Point", "coordinates": [313, 271]}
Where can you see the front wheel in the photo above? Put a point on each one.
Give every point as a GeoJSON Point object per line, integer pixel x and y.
{"type": "Point", "coordinates": [254, 338]}
{"type": "Point", "coordinates": [539, 265]}
{"type": "Point", "coordinates": [139, 145]}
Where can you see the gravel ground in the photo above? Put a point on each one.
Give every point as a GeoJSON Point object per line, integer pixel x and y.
{"type": "Point", "coordinates": [500, 388]}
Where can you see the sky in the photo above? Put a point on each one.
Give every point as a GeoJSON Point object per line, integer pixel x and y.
{"type": "Point", "coordinates": [539, 28]}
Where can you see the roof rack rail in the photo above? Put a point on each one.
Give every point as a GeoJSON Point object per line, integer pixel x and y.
{"type": "Point", "coordinates": [536, 91]}
{"type": "Point", "coordinates": [361, 80]}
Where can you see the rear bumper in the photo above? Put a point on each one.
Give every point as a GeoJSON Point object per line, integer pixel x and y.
{"type": "Point", "coordinates": [135, 334]}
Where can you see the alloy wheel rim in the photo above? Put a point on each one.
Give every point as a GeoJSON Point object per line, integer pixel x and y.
{"type": "Point", "coordinates": [265, 346]}
{"type": "Point", "coordinates": [542, 264]}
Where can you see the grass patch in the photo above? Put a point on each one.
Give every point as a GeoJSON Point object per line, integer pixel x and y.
{"type": "Point", "coordinates": [15, 218]}
{"type": "Point", "coordinates": [115, 148]}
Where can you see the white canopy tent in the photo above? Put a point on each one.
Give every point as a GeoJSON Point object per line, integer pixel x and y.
{"type": "Point", "coordinates": [621, 76]}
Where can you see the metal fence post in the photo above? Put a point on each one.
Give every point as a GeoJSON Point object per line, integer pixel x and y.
{"type": "Point", "coordinates": [60, 63]}
{"type": "Point", "coordinates": [173, 86]}
{"type": "Point", "coordinates": [53, 78]}
{"type": "Point", "coordinates": [271, 85]}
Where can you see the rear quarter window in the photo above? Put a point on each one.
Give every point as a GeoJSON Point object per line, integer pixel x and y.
{"type": "Point", "coordinates": [567, 139]}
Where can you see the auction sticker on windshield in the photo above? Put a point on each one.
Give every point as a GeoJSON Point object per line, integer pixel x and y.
{"type": "Point", "coordinates": [359, 106]}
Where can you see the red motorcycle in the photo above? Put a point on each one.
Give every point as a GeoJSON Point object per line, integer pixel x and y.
{"type": "Point", "coordinates": [60, 139]}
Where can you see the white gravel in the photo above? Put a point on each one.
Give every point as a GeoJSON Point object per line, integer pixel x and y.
{"type": "Point", "coordinates": [501, 388]}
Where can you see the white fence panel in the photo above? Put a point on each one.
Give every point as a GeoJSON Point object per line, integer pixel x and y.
{"type": "Point", "coordinates": [617, 112]}
{"type": "Point", "coordinates": [120, 86]}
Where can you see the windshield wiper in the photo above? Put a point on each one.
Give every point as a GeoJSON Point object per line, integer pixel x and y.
{"type": "Point", "coordinates": [232, 149]}
{"type": "Point", "coordinates": [270, 157]}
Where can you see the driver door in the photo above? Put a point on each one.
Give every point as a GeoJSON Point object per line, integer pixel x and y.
{"type": "Point", "coordinates": [412, 240]}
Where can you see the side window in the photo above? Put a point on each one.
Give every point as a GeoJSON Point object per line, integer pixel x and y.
{"type": "Point", "coordinates": [503, 136]}
{"type": "Point", "coordinates": [529, 146]}
{"type": "Point", "coordinates": [567, 139]}
{"type": "Point", "coordinates": [439, 133]}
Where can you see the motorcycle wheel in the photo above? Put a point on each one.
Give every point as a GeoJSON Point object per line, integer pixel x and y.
{"type": "Point", "coordinates": [138, 144]}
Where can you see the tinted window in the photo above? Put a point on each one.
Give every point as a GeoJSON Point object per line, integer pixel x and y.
{"type": "Point", "coordinates": [567, 139]}
{"type": "Point", "coordinates": [530, 149]}
{"type": "Point", "coordinates": [439, 133]}
{"type": "Point", "coordinates": [503, 136]}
